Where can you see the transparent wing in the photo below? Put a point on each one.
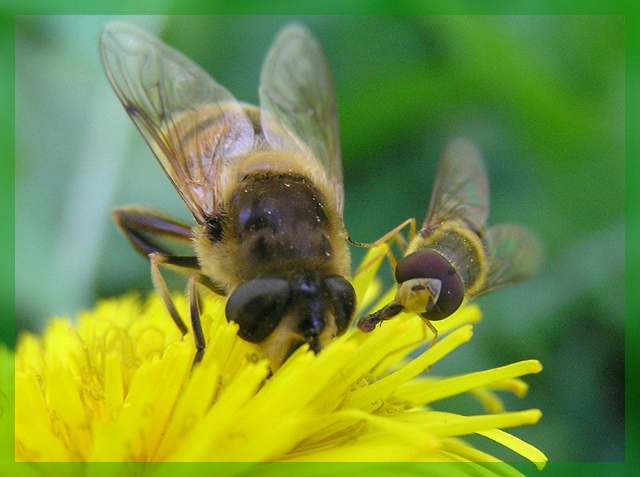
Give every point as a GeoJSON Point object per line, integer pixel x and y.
{"type": "Point", "coordinates": [461, 188]}
{"type": "Point", "coordinates": [297, 90]}
{"type": "Point", "coordinates": [515, 254]}
{"type": "Point", "coordinates": [192, 124]}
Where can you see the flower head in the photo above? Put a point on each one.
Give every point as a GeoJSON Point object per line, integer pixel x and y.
{"type": "Point", "coordinates": [118, 385]}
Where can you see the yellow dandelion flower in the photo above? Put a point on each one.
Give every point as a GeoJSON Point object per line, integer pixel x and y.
{"type": "Point", "coordinates": [118, 385]}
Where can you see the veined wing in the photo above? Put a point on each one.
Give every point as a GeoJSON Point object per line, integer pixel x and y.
{"type": "Point", "coordinates": [461, 187]}
{"type": "Point", "coordinates": [191, 123]}
{"type": "Point", "coordinates": [515, 254]}
{"type": "Point", "coordinates": [297, 90]}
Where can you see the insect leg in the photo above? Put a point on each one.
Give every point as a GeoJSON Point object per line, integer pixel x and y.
{"type": "Point", "coordinates": [196, 324]}
{"type": "Point", "coordinates": [433, 330]}
{"type": "Point", "coordinates": [150, 232]}
{"type": "Point", "coordinates": [392, 234]}
{"type": "Point", "coordinates": [161, 287]}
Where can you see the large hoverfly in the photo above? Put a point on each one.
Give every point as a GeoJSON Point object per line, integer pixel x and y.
{"type": "Point", "coordinates": [453, 258]}
{"type": "Point", "coordinates": [264, 186]}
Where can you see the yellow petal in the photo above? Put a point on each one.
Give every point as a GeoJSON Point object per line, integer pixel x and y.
{"type": "Point", "coordinates": [34, 439]}
{"type": "Point", "coordinates": [366, 272]}
{"type": "Point", "coordinates": [436, 390]}
{"type": "Point", "coordinates": [119, 386]}
{"type": "Point", "coordinates": [517, 445]}
{"type": "Point", "coordinates": [366, 397]}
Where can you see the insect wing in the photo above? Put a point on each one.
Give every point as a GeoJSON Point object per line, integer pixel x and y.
{"type": "Point", "coordinates": [515, 254]}
{"type": "Point", "coordinates": [192, 124]}
{"type": "Point", "coordinates": [296, 89]}
{"type": "Point", "coordinates": [461, 188]}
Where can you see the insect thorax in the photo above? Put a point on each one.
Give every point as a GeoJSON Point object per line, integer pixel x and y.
{"type": "Point", "coordinates": [462, 247]}
{"type": "Point", "coordinates": [278, 225]}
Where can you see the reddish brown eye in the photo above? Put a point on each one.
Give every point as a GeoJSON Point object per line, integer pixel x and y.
{"type": "Point", "coordinates": [430, 264]}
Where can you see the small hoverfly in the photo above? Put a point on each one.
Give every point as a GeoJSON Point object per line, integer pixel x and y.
{"type": "Point", "coordinates": [452, 259]}
{"type": "Point", "coordinates": [264, 186]}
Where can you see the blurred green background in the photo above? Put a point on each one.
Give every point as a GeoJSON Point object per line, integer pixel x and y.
{"type": "Point", "coordinates": [543, 97]}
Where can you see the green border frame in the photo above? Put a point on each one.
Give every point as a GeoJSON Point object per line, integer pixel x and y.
{"type": "Point", "coordinates": [12, 8]}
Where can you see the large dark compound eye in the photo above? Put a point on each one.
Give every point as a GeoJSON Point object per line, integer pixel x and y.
{"type": "Point", "coordinates": [344, 300]}
{"type": "Point", "coordinates": [258, 307]}
{"type": "Point", "coordinates": [430, 264]}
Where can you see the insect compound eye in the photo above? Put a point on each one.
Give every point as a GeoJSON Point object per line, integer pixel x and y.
{"type": "Point", "coordinates": [430, 264]}
{"type": "Point", "coordinates": [257, 306]}
{"type": "Point", "coordinates": [344, 299]}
